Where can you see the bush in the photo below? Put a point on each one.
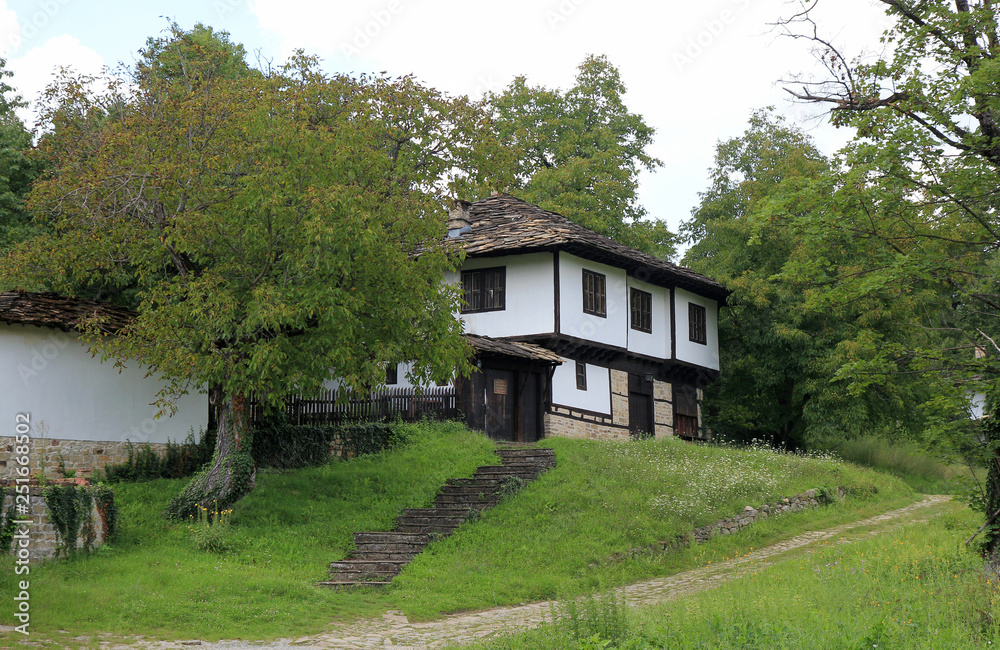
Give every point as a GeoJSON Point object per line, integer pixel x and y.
{"type": "Point", "coordinates": [178, 461]}
{"type": "Point", "coordinates": [282, 445]}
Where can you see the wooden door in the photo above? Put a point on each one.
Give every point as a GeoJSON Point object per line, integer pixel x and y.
{"type": "Point", "coordinates": [501, 399]}
{"type": "Point", "coordinates": [640, 406]}
{"type": "Point", "coordinates": [529, 413]}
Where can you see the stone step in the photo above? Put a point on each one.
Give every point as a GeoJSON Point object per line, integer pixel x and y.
{"type": "Point", "coordinates": [485, 471]}
{"type": "Point", "coordinates": [526, 453]}
{"type": "Point", "coordinates": [465, 501]}
{"type": "Point", "coordinates": [353, 583]}
{"type": "Point", "coordinates": [436, 512]}
{"type": "Point", "coordinates": [366, 565]}
{"type": "Point", "coordinates": [385, 556]}
{"type": "Point", "coordinates": [488, 481]}
{"type": "Point", "coordinates": [467, 489]}
{"type": "Point", "coordinates": [442, 530]}
{"type": "Point", "coordinates": [426, 520]}
{"type": "Point", "coordinates": [372, 547]}
{"type": "Point", "coordinates": [390, 537]}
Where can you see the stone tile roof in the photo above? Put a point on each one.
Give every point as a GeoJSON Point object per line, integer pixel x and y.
{"type": "Point", "coordinates": [60, 312]}
{"type": "Point", "coordinates": [516, 349]}
{"type": "Point", "coordinates": [504, 224]}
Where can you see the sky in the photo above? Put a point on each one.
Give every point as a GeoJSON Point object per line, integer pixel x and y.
{"type": "Point", "coordinates": [695, 71]}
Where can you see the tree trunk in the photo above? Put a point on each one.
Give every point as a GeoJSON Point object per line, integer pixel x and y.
{"type": "Point", "coordinates": [991, 432]}
{"type": "Point", "coordinates": [232, 472]}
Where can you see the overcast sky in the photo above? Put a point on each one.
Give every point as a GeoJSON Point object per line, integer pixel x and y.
{"type": "Point", "coordinates": [694, 70]}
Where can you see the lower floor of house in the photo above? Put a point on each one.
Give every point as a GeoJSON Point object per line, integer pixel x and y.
{"type": "Point", "coordinates": [519, 400]}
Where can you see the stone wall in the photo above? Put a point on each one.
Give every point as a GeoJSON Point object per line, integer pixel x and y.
{"type": "Point", "coordinates": [41, 532]}
{"type": "Point", "coordinates": [573, 423]}
{"type": "Point", "coordinates": [46, 453]}
{"type": "Point", "coordinates": [750, 515]}
{"type": "Point", "coordinates": [663, 409]}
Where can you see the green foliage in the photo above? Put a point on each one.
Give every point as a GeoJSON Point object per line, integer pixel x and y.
{"type": "Point", "coordinates": [579, 153]}
{"type": "Point", "coordinates": [283, 537]}
{"type": "Point", "coordinates": [266, 221]}
{"type": "Point", "coordinates": [18, 169]}
{"type": "Point", "coordinates": [178, 460]}
{"type": "Point", "coordinates": [911, 208]}
{"type": "Point", "coordinates": [71, 512]}
{"type": "Point", "coordinates": [104, 500]}
{"type": "Point", "coordinates": [282, 445]}
{"type": "Point", "coordinates": [8, 527]}
{"type": "Point", "coordinates": [783, 359]}
{"type": "Point", "coordinates": [211, 530]}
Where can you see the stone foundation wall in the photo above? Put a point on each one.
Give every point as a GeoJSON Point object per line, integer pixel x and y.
{"type": "Point", "coordinates": [573, 423]}
{"type": "Point", "coordinates": [663, 409]}
{"type": "Point", "coordinates": [36, 541]}
{"type": "Point", "coordinates": [46, 453]}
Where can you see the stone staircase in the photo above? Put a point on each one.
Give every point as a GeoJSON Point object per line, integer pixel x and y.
{"type": "Point", "coordinates": [380, 556]}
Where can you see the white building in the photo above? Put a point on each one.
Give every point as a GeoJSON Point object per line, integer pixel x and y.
{"type": "Point", "coordinates": [78, 410]}
{"type": "Point", "coordinates": [611, 342]}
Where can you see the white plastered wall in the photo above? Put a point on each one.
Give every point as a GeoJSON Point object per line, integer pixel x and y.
{"type": "Point", "coordinates": [529, 300]}
{"type": "Point", "coordinates": [573, 322]}
{"type": "Point", "coordinates": [655, 343]}
{"type": "Point", "coordinates": [707, 354]}
{"type": "Point", "coordinates": [71, 395]}
{"type": "Point", "coordinates": [596, 398]}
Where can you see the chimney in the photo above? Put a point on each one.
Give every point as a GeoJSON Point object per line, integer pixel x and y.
{"type": "Point", "coordinates": [458, 219]}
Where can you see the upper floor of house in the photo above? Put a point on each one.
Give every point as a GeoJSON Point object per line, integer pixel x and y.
{"type": "Point", "coordinates": [533, 275]}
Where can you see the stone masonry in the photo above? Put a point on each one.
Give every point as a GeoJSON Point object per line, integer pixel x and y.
{"type": "Point", "coordinates": [41, 540]}
{"type": "Point", "coordinates": [46, 453]}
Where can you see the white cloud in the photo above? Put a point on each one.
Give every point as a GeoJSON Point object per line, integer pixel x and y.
{"type": "Point", "coordinates": [37, 68]}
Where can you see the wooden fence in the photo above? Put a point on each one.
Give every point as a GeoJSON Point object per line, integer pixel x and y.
{"type": "Point", "coordinates": [384, 404]}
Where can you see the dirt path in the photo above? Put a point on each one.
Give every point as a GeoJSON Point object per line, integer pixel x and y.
{"type": "Point", "coordinates": [394, 631]}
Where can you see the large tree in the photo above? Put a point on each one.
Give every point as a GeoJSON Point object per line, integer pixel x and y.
{"type": "Point", "coordinates": [917, 196]}
{"type": "Point", "coordinates": [18, 169]}
{"type": "Point", "coordinates": [579, 152]}
{"type": "Point", "coordinates": [781, 357]}
{"type": "Point", "coordinates": [268, 220]}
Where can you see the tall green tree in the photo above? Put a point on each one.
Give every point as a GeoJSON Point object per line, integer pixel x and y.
{"type": "Point", "coordinates": [781, 357]}
{"type": "Point", "coordinates": [917, 196]}
{"type": "Point", "coordinates": [268, 220]}
{"type": "Point", "coordinates": [579, 153]}
{"type": "Point", "coordinates": [18, 169]}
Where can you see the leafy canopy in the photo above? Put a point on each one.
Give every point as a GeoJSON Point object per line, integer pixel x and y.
{"type": "Point", "coordinates": [579, 153]}
{"type": "Point", "coordinates": [267, 219]}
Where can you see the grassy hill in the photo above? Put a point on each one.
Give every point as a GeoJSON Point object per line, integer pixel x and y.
{"type": "Point", "coordinates": [555, 539]}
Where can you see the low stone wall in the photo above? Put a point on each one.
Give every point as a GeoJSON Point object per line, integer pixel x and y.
{"type": "Point", "coordinates": [46, 453]}
{"type": "Point", "coordinates": [808, 499]}
{"type": "Point", "coordinates": [38, 538]}
{"type": "Point", "coordinates": [750, 515]}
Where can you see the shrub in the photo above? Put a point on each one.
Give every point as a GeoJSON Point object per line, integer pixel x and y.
{"type": "Point", "coordinates": [278, 443]}
{"type": "Point", "coordinates": [178, 460]}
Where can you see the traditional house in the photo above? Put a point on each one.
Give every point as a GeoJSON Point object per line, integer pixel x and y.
{"type": "Point", "coordinates": [575, 334]}
{"type": "Point", "coordinates": [78, 411]}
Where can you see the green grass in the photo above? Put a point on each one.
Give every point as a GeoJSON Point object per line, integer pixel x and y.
{"type": "Point", "coordinates": [556, 539]}
{"type": "Point", "coordinates": [916, 587]}
{"type": "Point", "coordinates": [905, 460]}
